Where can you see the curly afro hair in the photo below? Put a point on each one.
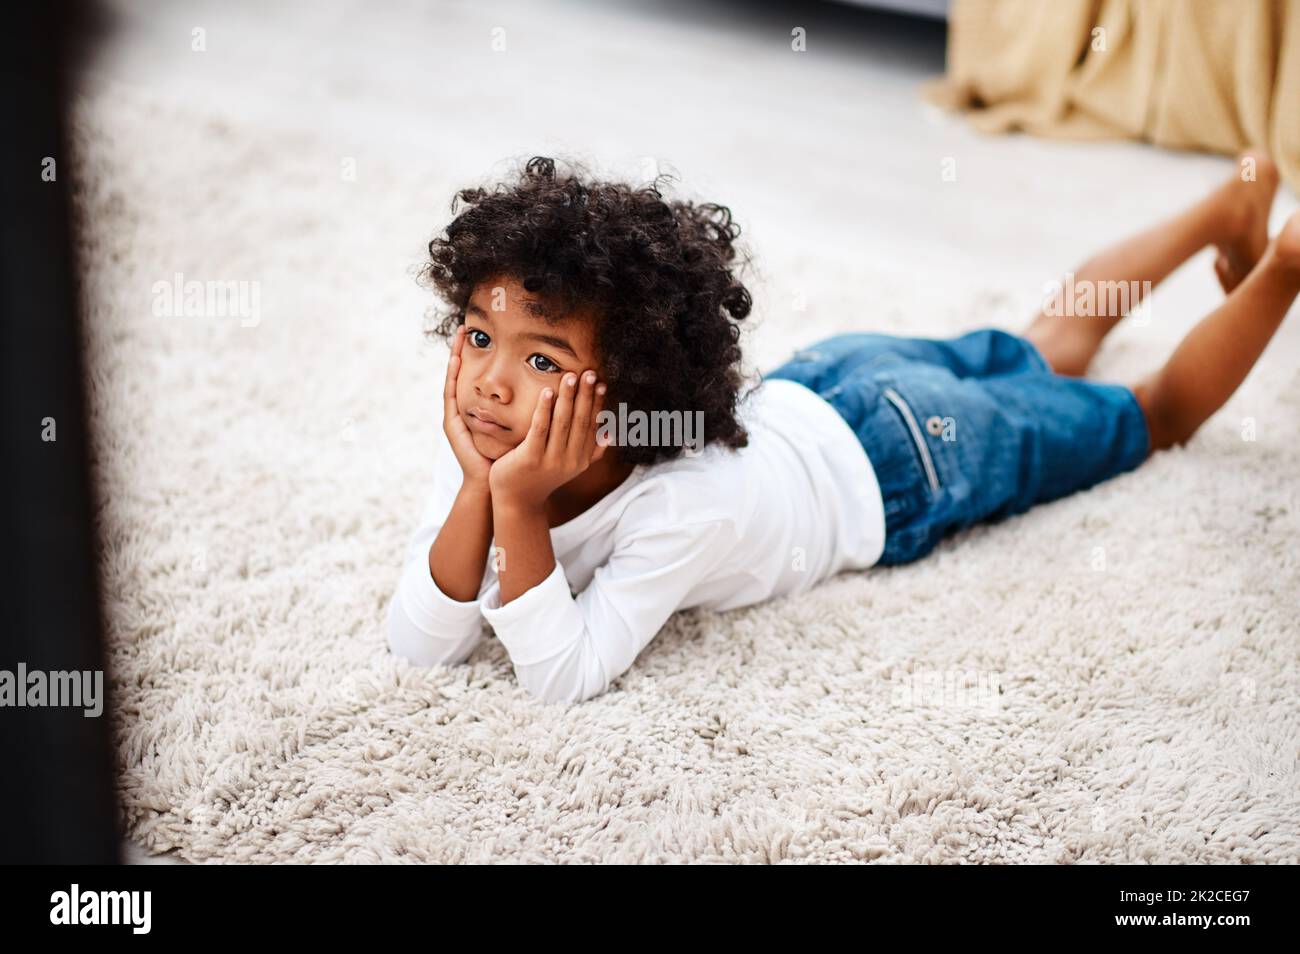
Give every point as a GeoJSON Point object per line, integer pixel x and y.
{"type": "Point", "coordinates": [657, 274]}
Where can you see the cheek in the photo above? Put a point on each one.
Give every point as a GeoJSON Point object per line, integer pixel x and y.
{"type": "Point", "coordinates": [527, 397]}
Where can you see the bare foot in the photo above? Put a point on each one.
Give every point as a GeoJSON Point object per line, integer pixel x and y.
{"type": "Point", "coordinates": [1287, 243]}
{"type": "Point", "coordinates": [1250, 201]}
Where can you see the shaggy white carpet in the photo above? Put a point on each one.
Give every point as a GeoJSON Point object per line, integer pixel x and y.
{"type": "Point", "coordinates": [1109, 678]}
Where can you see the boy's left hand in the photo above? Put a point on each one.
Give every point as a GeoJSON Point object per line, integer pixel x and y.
{"type": "Point", "coordinates": [560, 443]}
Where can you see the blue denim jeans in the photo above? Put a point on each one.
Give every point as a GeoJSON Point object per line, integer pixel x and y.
{"type": "Point", "coordinates": [975, 427]}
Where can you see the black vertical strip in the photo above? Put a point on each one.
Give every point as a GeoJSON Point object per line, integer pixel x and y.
{"type": "Point", "coordinates": [57, 798]}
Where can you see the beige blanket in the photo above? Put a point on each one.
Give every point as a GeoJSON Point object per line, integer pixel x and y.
{"type": "Point", "coordinates": [1189, 74]}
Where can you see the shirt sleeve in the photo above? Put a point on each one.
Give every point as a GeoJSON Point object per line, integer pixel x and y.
{"type": "Point", "coordinates": [425, 626]}
{"type": "Point", "coordinates": [567, 649]}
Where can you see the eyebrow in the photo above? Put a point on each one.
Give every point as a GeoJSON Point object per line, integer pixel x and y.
{"type": "Point", "coordinates": [551, 340]}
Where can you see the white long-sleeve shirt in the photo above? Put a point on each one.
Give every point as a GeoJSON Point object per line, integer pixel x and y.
{"type": "Point", "coordinates": [721, 529]}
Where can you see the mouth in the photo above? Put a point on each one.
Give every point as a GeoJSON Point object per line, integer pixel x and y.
{"type": "Point", "coordinates": [485, 423]}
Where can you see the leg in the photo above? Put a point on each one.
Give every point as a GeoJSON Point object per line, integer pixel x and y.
{"type": "Point", "coordinates": [1217, 354]}
{"type": "Point", "coordinates": [1233, 217]}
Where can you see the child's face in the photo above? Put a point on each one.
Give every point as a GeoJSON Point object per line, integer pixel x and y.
{"type": "Point", "coordinates": [508, 357]}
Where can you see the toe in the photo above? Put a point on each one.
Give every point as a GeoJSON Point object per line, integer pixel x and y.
{"type": "Point", "coordinates": [1224, 272]}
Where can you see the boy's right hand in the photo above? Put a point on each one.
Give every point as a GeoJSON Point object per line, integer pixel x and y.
{"type": "Point", "coordinates": [473, 464]}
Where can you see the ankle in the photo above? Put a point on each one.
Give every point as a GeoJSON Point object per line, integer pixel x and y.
{"type": "Point", "coordinates": [1234, 217]}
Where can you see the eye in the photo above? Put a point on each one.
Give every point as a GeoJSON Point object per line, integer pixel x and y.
{"type": "Point", "coordinates": [474, 342]}
{"type": "Point", "coordinates": [550, 366]}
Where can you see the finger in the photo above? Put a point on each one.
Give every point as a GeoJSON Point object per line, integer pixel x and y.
{"type": "Point", "coordinates": [580, 430]}
{"type": "Point", "coordinates": [599, 452]}
{"type": "Point", "coordinates": [450, 408]}
{"type": "Point", "coordinates": [597, 405]}
{"type": "Point", "coordinates": [562, 417]}
{"type": "Point", "coordinates": [538, 429]}
{"type": "Point", "coordinates": [453, 365]}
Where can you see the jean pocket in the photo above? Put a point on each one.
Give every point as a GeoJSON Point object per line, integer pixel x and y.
{"type": "Point", "coordinates": [908, 416]}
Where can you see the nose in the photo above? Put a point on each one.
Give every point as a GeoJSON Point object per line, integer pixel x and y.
{"type": "Point", "coordinates": [491, 383]}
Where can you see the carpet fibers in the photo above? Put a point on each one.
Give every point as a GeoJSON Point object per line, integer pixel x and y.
{"type": "Point", "coordinates": [1109, 678]}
